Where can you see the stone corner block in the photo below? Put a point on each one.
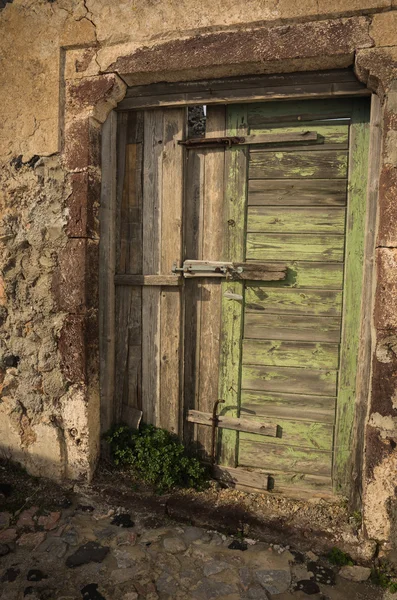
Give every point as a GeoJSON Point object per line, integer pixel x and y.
{"type": "Point", "coordinates": [82, 147]}
{"type": "Point", "coordinates": [385, 315]}
{"type": "Point", "coordinates": [94, 96]}
{"type": "Point", "coordinates": [83, 205]}
{"type": "Point", "coordinates": [383, 29]}
{"type": "Point", "coordinates": [377, 68]}
{"type": "Point", "coordinates": [75, 281]}
{"type": "Point", "coordinates": [72, 348]}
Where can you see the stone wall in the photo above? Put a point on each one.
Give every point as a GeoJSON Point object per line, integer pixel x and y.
{"type": "Point", "coordinates": [65, 65]}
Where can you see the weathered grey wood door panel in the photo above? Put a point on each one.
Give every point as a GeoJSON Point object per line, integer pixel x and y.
{"type": "Point", "coordinates": [204, 233]}
{"type": "Point", "coordinates": [149, 313]}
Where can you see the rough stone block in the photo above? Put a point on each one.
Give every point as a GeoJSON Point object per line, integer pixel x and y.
{"type": "Point", "coordinates": [5, 518]}
{"type": "Point", "coordinates": [83, 205]}
{"type": "Point", "coordinates": [90, 552]}
{"type": "Point", "coordinates": [377, 67]}
{"type": "Point", "coordinates": [384, 29]}
{"type": "Point", "coordinates": [380, 494]}
{"type": "Point", "coordinates": [92, 344]}
{"type": "Point", "coordinates": [377, 449]}
{"type": "Point", "coordinates": [275, 581]}
{"type": "Point", "coordinates": [32, 540]}
{"type": "Point", "coordinates": [81, 431]}
{"type": "Point", "coordinates": [26, 518]}
{"type": "Point", "coordinates": [94, 96]}
{"type": "Point", "coordinates": [69, 279]}
{"type": "Point", "coordinates": [387, 233]}
{"type": "Point", "coordinates": [301, 40]}
{"type": "Point", "coordinates": [75, 281]}
{"type": "Point", "coordinates": [77, 31]}
{"type": "Point", "coordinates": [80, 63]}
{"type": "Point", "coordinates": [50, 521]}
{"type": "Point", "coordinates": [82, 144]}
{"type": "Point", "coordinates": [386, 291]}
{"type": "Point", "coordinates": [340, 7]}
{"type": "Point", "coordinates": [3, 297]}
{"type": "Point", "coordinates": [384, 384]}
{"type": "Point", "coordinates": [174, 545]}
{"type": "Point", "coordinates": [8, 536]}
{"type": "Point", "coordinates": [72, 348]}
{"type": "Point", "coordinates": [44, 456]}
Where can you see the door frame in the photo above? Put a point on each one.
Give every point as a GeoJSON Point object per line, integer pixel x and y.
{"type": "Point", "coordinates": [326, 84]}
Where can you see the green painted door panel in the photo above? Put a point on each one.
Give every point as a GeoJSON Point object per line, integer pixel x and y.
{"type": "Point", "coordinates": [289, 379]}
{"type": "Point", "coordinates": [297, 192]}
{"type": "Point", "coordinates": [306, 434]}
{"type": "Point", "coordinates": [331, 135]}
{"type": "Point", "coordinates": [295, 246]}
{"type": "Point", "coordinates": [263, 325]}
{"type": "Point", "coordinates": [289, 362]}
{"type": "Point", "coordinates": [324, 164]}
{"type": "Point", "coordinates": [301, 219]}
{"type": "Point", "coordinates": [281, 353]}
{"type": "Point", "coordinates": [310, 275]}
{"type": "Point", "coordinates": [293, 301]}
{"type": "Point", "coordinates": [284, 458]}
{"type": "Point", "coordinates": [284, 406]}
{"type": "Point", "coordinates": [260, 115]}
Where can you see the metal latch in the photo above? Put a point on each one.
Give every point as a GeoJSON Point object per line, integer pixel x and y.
{"type": "Point", "coordinates": [211, 142]}
{"type": "Point", "coordinates": [215, 420]}
{"type": "Point", "coordinates": [250, 140]}
{"type": "Point", "coordinates": [206, 268]}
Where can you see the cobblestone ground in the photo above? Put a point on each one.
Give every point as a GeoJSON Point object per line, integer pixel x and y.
{"type": "Point", "coordinates": [91, 551]}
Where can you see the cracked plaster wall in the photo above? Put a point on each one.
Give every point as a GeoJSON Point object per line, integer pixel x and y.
{"type": "Point", "coordinates": [54, 100]}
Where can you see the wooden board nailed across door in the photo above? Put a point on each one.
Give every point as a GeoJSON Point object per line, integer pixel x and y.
{"type": "Point", "coordinates": [280, 350]}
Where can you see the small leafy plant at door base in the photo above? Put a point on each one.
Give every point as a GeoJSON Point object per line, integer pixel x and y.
{"type": "Point", "coordinates": [340, 558]}
{"type": "Point", "coordinates": [385, 576]}
{"type": "Point", "coordinates": [156, 457]}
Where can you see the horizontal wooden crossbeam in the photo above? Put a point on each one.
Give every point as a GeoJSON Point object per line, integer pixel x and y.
{"type": "Point", "coordinates": [261, 428]}
{"type": "Point", "coordinates": [162, 280]}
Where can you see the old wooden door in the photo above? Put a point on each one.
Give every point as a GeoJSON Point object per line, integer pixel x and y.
{"type": "Point", "coordinates": [275, 334]}
{"type": "Point", "coordinates": [282, 354]}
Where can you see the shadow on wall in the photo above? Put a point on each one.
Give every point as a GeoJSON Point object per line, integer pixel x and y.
{"type": "Point", "coordinates": [4, 2]}
{"type": "Point", "coordinates": [37, 464]}
{"type": "Point", "coordinates": [42, 460]}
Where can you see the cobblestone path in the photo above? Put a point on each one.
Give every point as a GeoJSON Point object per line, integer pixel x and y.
{"type": "Point", "coordinates": [95, 552]}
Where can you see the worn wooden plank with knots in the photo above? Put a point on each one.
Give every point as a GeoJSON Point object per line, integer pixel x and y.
{"type": "Point", "coordinates": [260, 428]}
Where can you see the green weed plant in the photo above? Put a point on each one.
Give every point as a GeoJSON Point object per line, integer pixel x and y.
{"type": "Point", "coordinates": [156, 457]}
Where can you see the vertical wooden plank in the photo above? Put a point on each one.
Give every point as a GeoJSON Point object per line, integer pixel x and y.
{"type": "Point", "coordinates": [151, 219]}
{"type": "Point", "coordinates": [133, 397]}
{"type": "Point", "coordinates": [210, 291]}
{"type": "Point", "coordinates": [233, 292]}
{"type": "Point", "coordinates": [121, 234]}
{"type": "Point", "coordinates": [169, 415]}
{"type": "Point", "coordinates": [107, 258]}
{"type": "Point", "coordinates": [193, 210]}
{"type": "Point", "coordinates": [123, 317]}
{"type": "Point", "coordinates": [123, 304]}
{"type": "Point", "coordinates": [366, 338]}
{"type": "Point", "coordinates": [135, 164]}
{"type": "Point", "coordinates": [129, 260]}
{"type": "Point", "coordinates": [356, 216]}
